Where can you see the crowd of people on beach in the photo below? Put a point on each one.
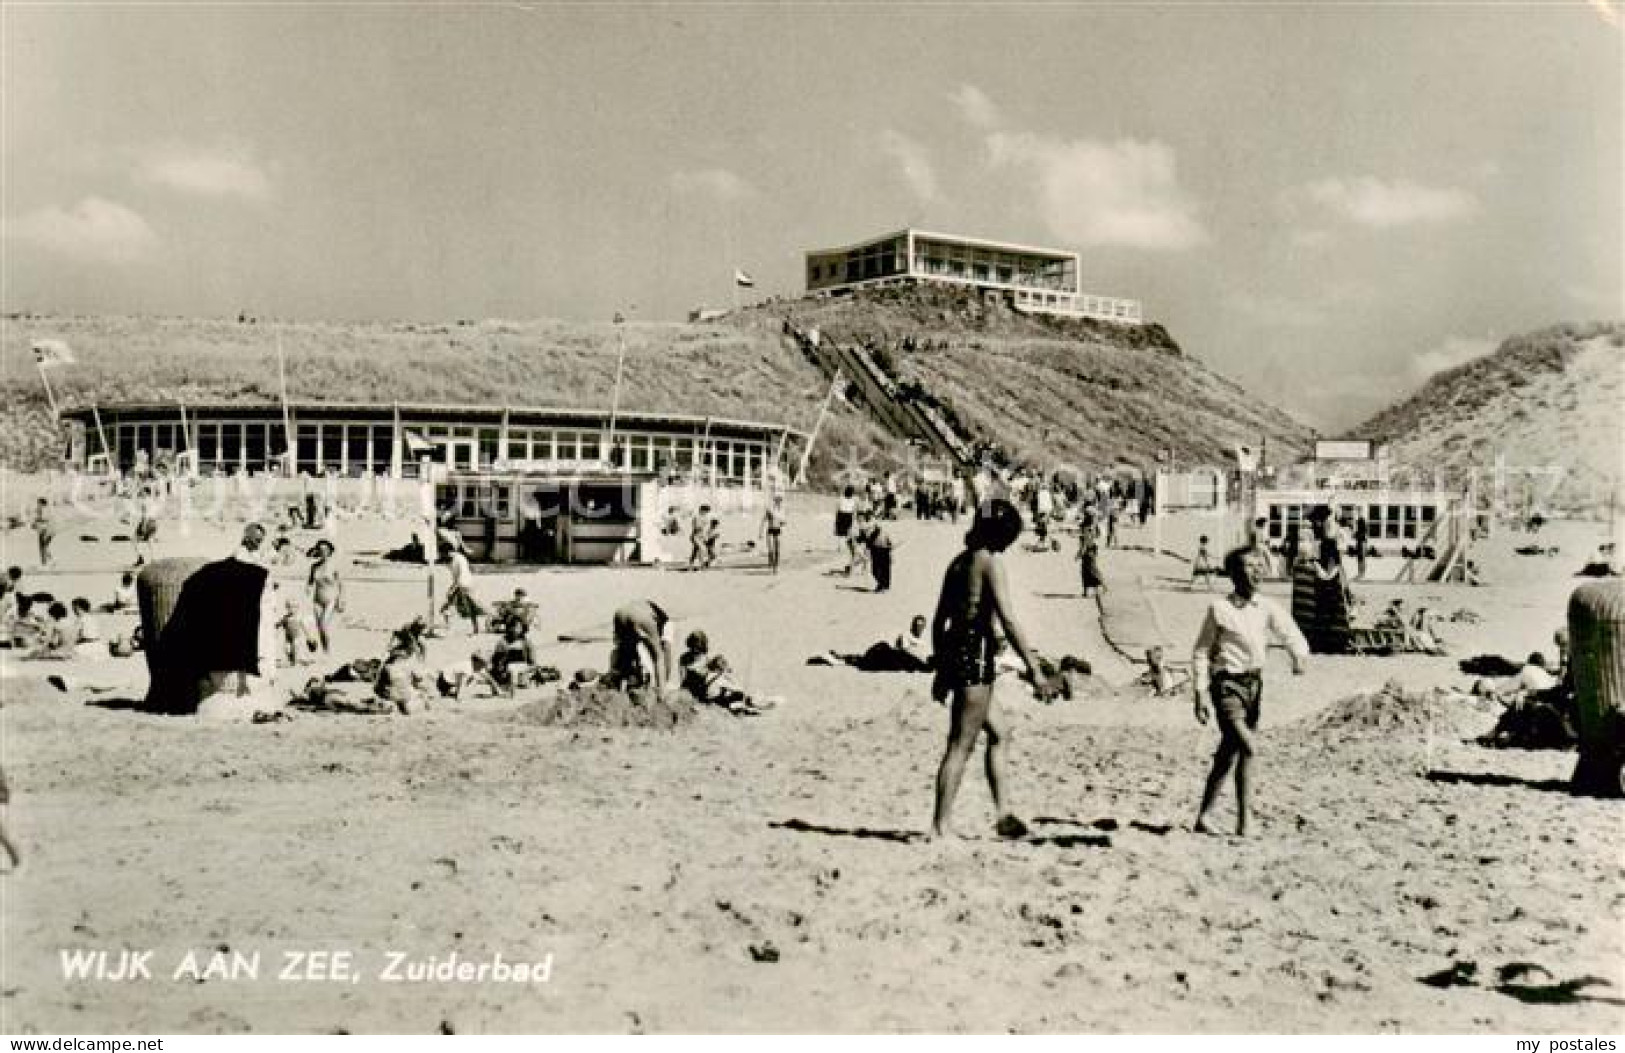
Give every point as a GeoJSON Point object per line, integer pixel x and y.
{"type": "Point", "coordinates": [972, 637]}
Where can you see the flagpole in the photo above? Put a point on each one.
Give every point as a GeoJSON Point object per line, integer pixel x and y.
{"type": "Point", "coordinates": [287, 419]}
{"type": "Point", "coordinates": [95, 412]}
{"type": "Point", "coordinates": [620, 367]}
{"type": "Point", "coordinates": [823, 411]}
{"type": "Point", "coordinates": [50, 396]}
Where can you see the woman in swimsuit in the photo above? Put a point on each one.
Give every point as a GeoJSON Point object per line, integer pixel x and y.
{"type": "Point", "coordinates": [974, 594]}
{"type": "Point", "coordinates": [326, 592]}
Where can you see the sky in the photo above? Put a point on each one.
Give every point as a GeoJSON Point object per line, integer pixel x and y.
{"type": "Point", "coordinates": [1327, 202]}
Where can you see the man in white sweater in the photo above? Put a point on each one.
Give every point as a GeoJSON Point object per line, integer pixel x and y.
{"type": "Point", "coordinates": [1228, 663]}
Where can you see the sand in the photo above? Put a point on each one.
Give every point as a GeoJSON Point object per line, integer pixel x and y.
{"type": "Point", "coordinates": [769, 873]}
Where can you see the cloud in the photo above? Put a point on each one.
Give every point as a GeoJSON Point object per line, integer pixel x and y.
{"type": "Point", "coordinates": [1373, 202]}
{"type": "Point", "coordinates": [1453, 351]}
{"type": "Point", "coordinates": [1093, 193]}
{"type": "Point", "coordinates": [916, 167]}
{"type": "Point", "coordinates": [206, 173]}
{"type": "Point", "coordinates": [1278, 312]}
{"type": "Point", "coordinates": [95, 231]}
{"type": "Point", "coordinates": [718, 183]}
{"type": "Point", "coordinates": [974, 106]}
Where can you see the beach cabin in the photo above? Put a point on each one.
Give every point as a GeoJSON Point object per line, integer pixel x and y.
{"type": "Point", "coordinates": [1417, 530]}
{"type": "Point", "coordinates": [584, 516]}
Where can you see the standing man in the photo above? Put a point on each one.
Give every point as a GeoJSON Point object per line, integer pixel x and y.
{"type": "Point", "coordinates": [974, 596]}
{"type": "Point", "coordinates": [44, 531]}
{"type": "Point", "coordinates": [1228, 661]}
{"type": "Point", "coordinates": [773, 530]}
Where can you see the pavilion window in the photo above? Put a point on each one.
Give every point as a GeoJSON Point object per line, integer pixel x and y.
{"type": "Point", "coordinates": [358, 448]}
{"type": "Point", "coordinates": [518, 444]}
{"type": "Point", "coordinates": [332, 437]}
{"type": "Point", "coordinates": [208, 443]}
{"type": "Point", "coordinates": [591, 446]}
{"type": "Point", "coordinates": [383, 447]}
{"type": "Point", "coordinates": [254, 444]}
{"type": "Point", "coordinates": [637, 449]}
{"type": "Point", "coordinates": [564, 446]}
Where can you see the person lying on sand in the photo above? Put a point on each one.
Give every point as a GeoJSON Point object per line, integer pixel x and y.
{"type": "Point", "coordinates": [974, 597]}
{"type": "Point", "coordinates": [1228, 661]}
{"type": "Point", "coordinates": [907, 654]}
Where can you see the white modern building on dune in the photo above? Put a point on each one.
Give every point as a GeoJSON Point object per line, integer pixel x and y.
{"type": "Point", "coordinates": [1038, 280]}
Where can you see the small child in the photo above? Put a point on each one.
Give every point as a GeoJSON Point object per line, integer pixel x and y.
{"type": "Point", "coordinates": [296, 641]}
{"type": "Point", "coordinates": [713, 538]}
{"type": "Point", "coordinates": [458, 677]}
{"type": "Point", "coordinates": [1202, 566]}
{"type": "Point", "coordinates": [124, 594]}
{"type": "Point", "coordinates": [88, 634]}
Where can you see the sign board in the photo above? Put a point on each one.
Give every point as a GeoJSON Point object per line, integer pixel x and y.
{"type": "Point", "coordinates": [1343, 450]}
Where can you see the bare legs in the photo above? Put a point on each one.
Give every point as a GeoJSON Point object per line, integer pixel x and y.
{"type": "Point", "coordinates": [972, 713]}
{"type": "Point", "coordinates": [1235, 748]}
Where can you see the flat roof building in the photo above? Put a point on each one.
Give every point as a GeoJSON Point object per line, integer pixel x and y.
{"type": "Point", "coordinates": [1042, 281]}
{"type": "Point", "coordinates": [361, 438]}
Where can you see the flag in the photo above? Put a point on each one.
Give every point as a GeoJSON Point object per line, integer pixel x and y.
{"type": "Point", "coordinates": [743, 280]}
{"type": "Point", "coordinates": [49, 353]}
{"type": "Point", "coordinates": [416, 445]}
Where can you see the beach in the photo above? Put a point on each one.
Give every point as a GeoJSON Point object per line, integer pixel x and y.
{"type": "Point", "coordinates": [770, 873]}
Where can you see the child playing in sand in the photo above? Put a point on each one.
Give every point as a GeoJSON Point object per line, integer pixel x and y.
{"type": "Point", "coordinates": [56, 642]}
{"type": "Point", "coordinates": [400, 681]}
{"type": "Point", "coordinates": [1202, 565]}
{"type": "Point", "coordinates": [1228, 664]}
{"type": "Point", "coordinates": [124, 595]}
{"type": "Point", "coordinates": [87, 636]}
{"type": "Point", "coordinates": [452, 680]}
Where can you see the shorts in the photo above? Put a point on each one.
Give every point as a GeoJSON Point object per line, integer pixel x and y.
{"type": "Point", "coordinates": [967, 663]}
{"type": "Point", "coordinates": [1236, 698]}
{"type": "Point", "coordinates": [843, 524]}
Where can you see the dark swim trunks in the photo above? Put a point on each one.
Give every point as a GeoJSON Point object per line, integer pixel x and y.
{"type": "Point", "coordinates": [1236, 698]}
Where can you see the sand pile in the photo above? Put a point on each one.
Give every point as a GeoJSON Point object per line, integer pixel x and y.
{"type": "Point", "coordinates": [597, 706]}
{"type": "Point", "coordinates": [1393, 709]}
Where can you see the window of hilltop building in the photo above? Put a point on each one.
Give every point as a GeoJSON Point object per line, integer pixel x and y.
{"type": "Point", "coordinates": [518, 444]}
{"type": "Point", "coordinates": [490, 451]}
{"type": "Point", "coordinates": [591, 446]}
{"type": "Point", "coordinates": [637, 453]}
{"type": "Point", "coordinates": [564, 446]}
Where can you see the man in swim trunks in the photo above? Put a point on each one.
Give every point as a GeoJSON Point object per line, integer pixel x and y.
{"type": "Point", "coordinates": [974, 595]}
{"type": "Point", "coordinates": [642, 628]}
